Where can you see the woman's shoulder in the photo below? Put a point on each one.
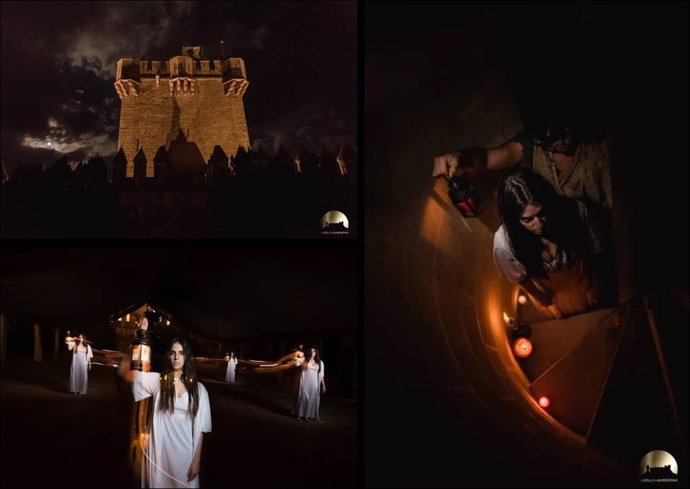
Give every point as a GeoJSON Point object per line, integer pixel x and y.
{"type": "Point", "coordinates": [501, 238]}
{"type": "Point", "coordinates": [147, 376]}
{"type": "Point", "coordinates": [202, 388]}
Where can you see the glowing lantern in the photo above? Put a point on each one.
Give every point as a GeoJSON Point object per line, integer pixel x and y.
{"type": "Point", "coordinates": [544, 402]}
{"type": "Point", "coordinates": [522, 299]}
{"type": "Point", "coordinates": [522, 347]}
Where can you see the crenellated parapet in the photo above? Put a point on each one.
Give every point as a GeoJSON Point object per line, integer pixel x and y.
{"type": "Point", "coordinates": [182, 73]}
{"type": "Point", "coordinates": [128, 79]}
{"type": "Point", "coordinates": [235, 81]}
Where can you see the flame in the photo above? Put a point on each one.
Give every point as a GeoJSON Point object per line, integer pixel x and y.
{"type": "Point", "coordinates": [522, 347]}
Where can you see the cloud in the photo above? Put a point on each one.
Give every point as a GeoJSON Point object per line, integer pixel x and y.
{"type": "Point", "coordinates": [130, 29]}
{"type": "Point", "coordinates": [86, 143]}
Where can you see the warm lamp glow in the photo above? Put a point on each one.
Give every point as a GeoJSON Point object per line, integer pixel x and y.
{"type": "Point", "coordinates": [522, 299]}
{"type": "Point", "coordinates": [506, 318]}
{"type": "Point", "coordinates": [544, 402]}
{"type": "Point", "coordinates": [522, 347]}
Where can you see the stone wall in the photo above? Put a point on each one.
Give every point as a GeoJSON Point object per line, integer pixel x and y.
{"type": "Point", "coordinates": [206, 116]}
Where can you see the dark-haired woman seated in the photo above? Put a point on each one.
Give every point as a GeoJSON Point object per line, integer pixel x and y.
{"type": "Point", "coordinates": [546, 244]}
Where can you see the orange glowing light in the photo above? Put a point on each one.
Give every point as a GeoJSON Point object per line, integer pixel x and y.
{"type": "Point", "coordinates": [522, 347]}
{"type": "Point", "coordinates": [506, 318]}
{"type": "Point", "coordinates": [522, 299]}
{"type": "Point", "coordinates": [544, 402]}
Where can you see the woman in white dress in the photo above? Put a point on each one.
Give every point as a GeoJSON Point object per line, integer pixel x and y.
{"type": "Point", "coordinates": [546, 244]}
{"type": "Point", "coordinates": [181, 416]}
{"type": "Point", "coordinates": [312, 384]}
{"type": "Point", "coordinates": [81, 363]}
{"type": "Point", "coordinates": [232, 366]}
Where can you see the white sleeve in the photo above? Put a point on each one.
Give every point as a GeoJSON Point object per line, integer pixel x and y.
{"type": "Point", "coordinates": [203, 415]}
{"type": "Point", "coordinates": [504, 259]}
{"type": "Point", "coordinates": [145, 384]}
{"type": "Point", "coordinates": [89, 353]}
{"type": "Point", "coordinates": [322, 373]}
{"type": "Point", "coordinates": [70, 345]}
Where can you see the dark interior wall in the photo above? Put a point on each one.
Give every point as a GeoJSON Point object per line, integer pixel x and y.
{"type": "Point", "coordinates": [439, 77]}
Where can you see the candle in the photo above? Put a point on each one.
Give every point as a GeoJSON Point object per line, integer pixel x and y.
{"type": "Point", "coordinates": [522, 347]}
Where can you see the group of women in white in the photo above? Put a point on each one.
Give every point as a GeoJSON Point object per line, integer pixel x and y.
{"type": "Point", "coordinates": [312, 382]}
{"type": "Point", "coordinates": [181, 412]}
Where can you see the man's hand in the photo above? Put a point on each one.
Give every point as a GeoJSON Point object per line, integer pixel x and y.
{"type": "Point", "coordinates": [446, 165]}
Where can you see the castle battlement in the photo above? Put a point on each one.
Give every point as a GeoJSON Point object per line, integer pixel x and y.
{"type": "Point", "coordinates": [186, 67]}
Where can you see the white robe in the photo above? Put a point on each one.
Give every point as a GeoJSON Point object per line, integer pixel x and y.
{"type": "Point", "coordinates": [173, 438]}
{"type": "Point", "coordinates": [309, 395]}
{"type": "Point", "coordinates": [230, 372]}
{"type": "Point", "coordinates": [79, 373]}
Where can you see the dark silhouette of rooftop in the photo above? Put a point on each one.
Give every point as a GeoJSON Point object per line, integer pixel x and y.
{"type": "Point", "coordinates": [664, 472]}
{"type": "Point", "coordinates": [335, 226]}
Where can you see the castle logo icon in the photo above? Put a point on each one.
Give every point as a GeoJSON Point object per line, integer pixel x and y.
{"type": "Point", "coordinates": [334, 222]}
{"type": "Point", "coordinates": [658, 466]}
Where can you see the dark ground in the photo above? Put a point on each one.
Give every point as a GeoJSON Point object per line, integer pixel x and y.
{"type": "Point", "coordinates": [51, 438]}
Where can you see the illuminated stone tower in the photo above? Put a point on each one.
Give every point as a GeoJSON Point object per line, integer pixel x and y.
{"type": "Point", "coordinates": [188, 93]}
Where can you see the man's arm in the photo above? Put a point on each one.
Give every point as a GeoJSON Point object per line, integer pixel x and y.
{"type": "Point", "coordinates": [472, 162]}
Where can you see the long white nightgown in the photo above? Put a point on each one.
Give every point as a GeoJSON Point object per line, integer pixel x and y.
{"type": "Point", "coordinates": [79, 373]}
{"type": "Point", "coordinates": [309, 395]}
{"type": "Point", "coordinates": [173, 438]}
{"type": "Point", "coordinates": [230, 372]}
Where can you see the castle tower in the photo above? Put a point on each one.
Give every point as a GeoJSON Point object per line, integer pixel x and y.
{"type": "Point", "coordinates": [201, 97]}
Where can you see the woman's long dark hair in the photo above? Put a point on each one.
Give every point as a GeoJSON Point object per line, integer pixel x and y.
{"type": "Point", "coordinates": [562, 226]}
{"type": "Point", "coordinates": [317, 358]}
{"type": "Point", "coordinates": [167, 397]}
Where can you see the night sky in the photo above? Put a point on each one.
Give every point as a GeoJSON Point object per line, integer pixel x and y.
{"type": "Point", "coordinates": [59, 58]}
